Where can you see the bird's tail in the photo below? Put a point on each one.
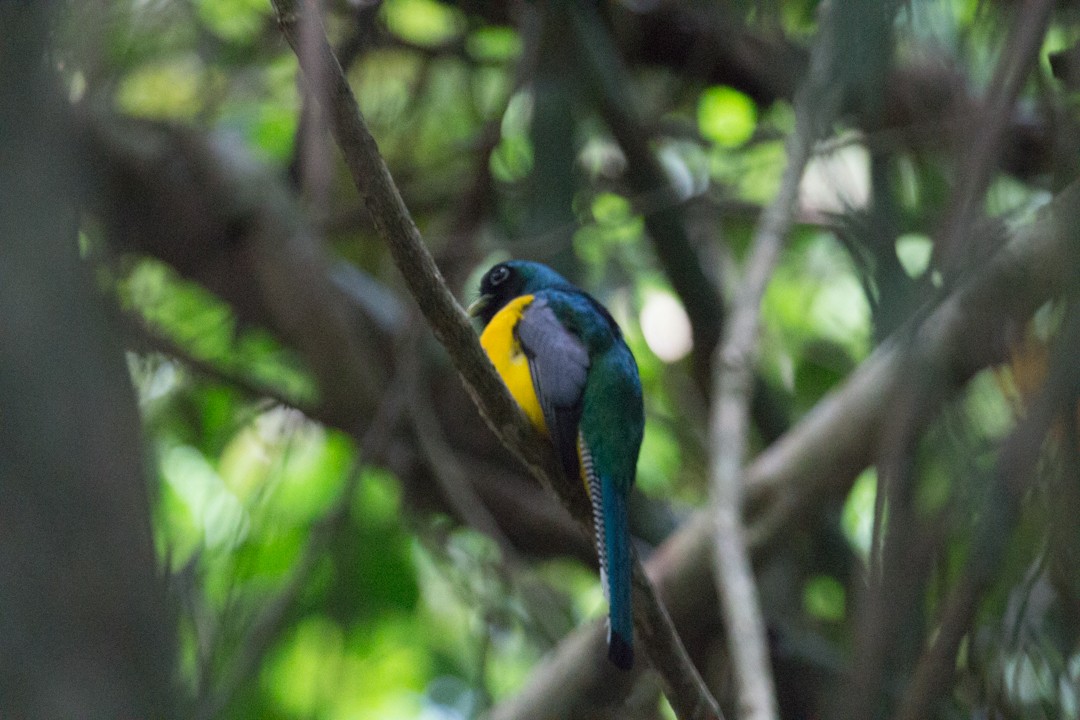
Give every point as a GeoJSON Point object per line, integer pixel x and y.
{"type": "Point", "coordinates": [615, 540]}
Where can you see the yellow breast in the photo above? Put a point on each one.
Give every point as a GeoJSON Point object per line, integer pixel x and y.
{"type": "Point", "coordinates": [502, 346]}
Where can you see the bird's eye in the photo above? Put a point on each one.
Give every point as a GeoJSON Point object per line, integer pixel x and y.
{"type": "Point", "coordinates": [499, 274]}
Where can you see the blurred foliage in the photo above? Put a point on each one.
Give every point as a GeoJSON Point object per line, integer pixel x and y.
{"type": "Point", "coordinates": [404, 614]}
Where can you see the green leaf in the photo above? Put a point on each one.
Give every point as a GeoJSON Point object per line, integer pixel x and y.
{"type": "Point", "coordinates": [857, 518]}
{"type": "Point", "coordinates": [726, 116]}
{"type": "Point", "coordinates": [494, 44]}
{"type": "Point", "coordinates": [168, 89]}
{"type": "Point", "coordinates": [824, 598]}
{"type": "Point", "coordinates": [236, 20]}
{"type": "Point", "coordinates": [913, 250]}
{"type": "Point", "coordinates": [423, 22]}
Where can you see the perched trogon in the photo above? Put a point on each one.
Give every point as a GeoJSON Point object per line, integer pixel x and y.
{"type": "Point", "coordinates": [563, 358]}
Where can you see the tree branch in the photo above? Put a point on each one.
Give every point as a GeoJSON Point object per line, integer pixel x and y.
{"type": "Point", "coordinates": [169, 193]}
{"type": "Point", "coordinates": [141, 338]}
{"type": "Point", "coordinates": [1015, 472]}
{"type": "Point", "coordinates": [980, 159]}
{"type": "Point", "coordinates": [215, 216]}
{"type": "Point", "coordinates": [86, 629]}
{"type": "Point", "coordinates": [820, 457]}
{"type": "Point", "coordinates": [904, 558]}
{"type": "Point", "coordinates": [733, 368]}
{"type": "Point", "coordinates": [392, 221]}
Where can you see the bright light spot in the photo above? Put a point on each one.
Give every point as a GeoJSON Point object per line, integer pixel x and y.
{"type": "Point", "coordinates": [212, 505]}
{"type": "Point", "coordinates": [494, 44]}
{"type": "Point", "coordinates": [857, 518]}
{"type": "Point", "coordinates": [666, 327]}
{"type": "Point", "coordinates": [839, 309]}
{"type": "Point", "coordinates": [611, 209]}
{"type": "Point", "coordinates": [785, 368]}
{"type": "Point", "coordinates": [836, 181]}
{"type": "Point", "coordinates": [153, 380]}
{"type": "Point", "coordinates": [602, 158]}
{"type": "Point", "coordinates": [680, 176]}
{"type": "Point", "coordinates": [424, 22]}
{"type": "Point", "coordinates": [726, 116]}
{"type": "Point", "coordinates": [236, 20]}
{"type": "Point", "coordinates": [163, 90]}
{"type": "Point", "coordinates": [989, 411]}
{"type": "Point", "coordinates": [76, 87]}
{"type": "Point", "coordinates": [913, 251]}
{"type": "Point", "coordinates": [513, 156]}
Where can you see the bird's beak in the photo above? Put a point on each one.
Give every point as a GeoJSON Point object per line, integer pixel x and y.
{"type": "Point", "coordinates": [478, 306]}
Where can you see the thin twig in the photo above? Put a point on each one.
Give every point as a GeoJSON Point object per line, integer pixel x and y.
{"type": "Point", "coordinates": [662, 210]}
{"type": "Point", "coordinates": [394, 224]}
{"type": "Point", "coordinates": [687, 694]}
{"type": "Point", "coordinates": [733, 369]}
{"type": "Point", "coordinates": [142, 337]}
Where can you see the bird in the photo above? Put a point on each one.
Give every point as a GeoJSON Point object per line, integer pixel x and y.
{"type": "Point", "coordinates": [565, 362]}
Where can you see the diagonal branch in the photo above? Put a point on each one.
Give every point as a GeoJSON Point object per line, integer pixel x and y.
{"type": "Point", "coordinates": [1016, 468]}
{"type": "Point", "coordinates": [394, 224]}
{"type": "Point", "coordinates": [820, 457]}
{"type": "Point", "coordinates": [902, 559]}
{"type": "Point", "coordinates": [1018, 462]}
{"type": "Point", "coordinates": [979, 163]}
{"type": "Point", "coordinates": [392, 221]}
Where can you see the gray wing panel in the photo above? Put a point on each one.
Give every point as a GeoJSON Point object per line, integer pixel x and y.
{"type": "Point", "coordinates": [559, 364]}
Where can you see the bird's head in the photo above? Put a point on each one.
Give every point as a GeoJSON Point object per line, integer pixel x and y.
{"type": "Point", "coordinates": [511, 279]}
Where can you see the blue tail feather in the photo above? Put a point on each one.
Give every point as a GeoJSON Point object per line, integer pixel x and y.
{"type": "Point", "coordinates": [617, 551]}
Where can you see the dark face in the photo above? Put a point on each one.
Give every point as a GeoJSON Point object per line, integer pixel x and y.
{"type": "Point", "coordinates": [511, 279]}
{"type": "Point", "coordinates": [501, 284]}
